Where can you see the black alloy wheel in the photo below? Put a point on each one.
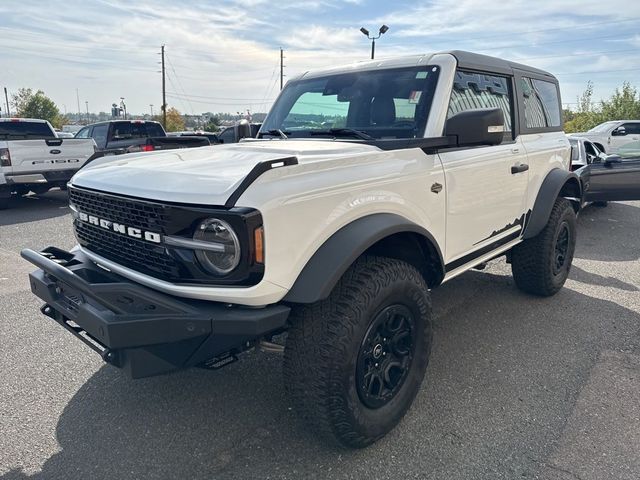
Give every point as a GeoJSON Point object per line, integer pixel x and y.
{"type": "Point", "coordinates": [385, 356]}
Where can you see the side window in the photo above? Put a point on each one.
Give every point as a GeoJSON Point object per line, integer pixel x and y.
{"type": "Point", "coordinates": [120, 131]}
{"type": "Point", "coordinates": [100, 134]}
{"type": "Point", "coordinates": [631, 128]}
{"type": "Point", "coordinates": [83, 133]}
{"type": "Point", "coordinates": [541, 103]}
{"type": "Point", "coordinates": [227, 136]}
{"type": "Point", "coordinates": [479, 90]}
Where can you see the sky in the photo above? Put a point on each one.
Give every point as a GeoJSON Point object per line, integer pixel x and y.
{"type": "Point", "coordinates": [223, 55]}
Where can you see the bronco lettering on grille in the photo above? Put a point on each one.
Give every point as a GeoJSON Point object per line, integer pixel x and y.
{"type": "Point", "coordinates": [120, 228]}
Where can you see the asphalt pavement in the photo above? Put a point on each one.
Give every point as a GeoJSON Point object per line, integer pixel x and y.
{"type": "Point", "coordinates": [518, 386]}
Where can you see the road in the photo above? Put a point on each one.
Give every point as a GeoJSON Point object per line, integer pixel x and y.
{"type": "Point", "coordinates": [517, 387]}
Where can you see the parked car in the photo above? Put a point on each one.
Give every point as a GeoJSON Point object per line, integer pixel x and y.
{"type": "Point", "coordinates": [609, 137]}
{"type": "Point", "coordinates": [61, 134]}
{"type": "Point", "coordinates": [230, 134]}
{"type": "Point", "coordinates": [213, 137]}
{"type": "Point", "coordinates": [116, 137]}
{"type": "Point", "coordinates": [604, 176]}
{"type": "Point", "coordinates": [34, 159]}
{"type": "Point", "coordinates": [369, 186]}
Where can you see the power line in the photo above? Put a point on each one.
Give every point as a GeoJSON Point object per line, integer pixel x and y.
{"type": "Point", "coordinates": [212, 98]}
{"type": "Point", "coordinates": [179, 82]}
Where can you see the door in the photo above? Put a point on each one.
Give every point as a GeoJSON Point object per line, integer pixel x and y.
{"type": "Point", "coordinates": [623, 135]}
{"type": "Point", "coordinates": [486, 186]}
{"type": "Point", "coordinates": [612, 178]}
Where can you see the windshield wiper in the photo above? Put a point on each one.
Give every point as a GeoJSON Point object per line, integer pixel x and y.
{"type": "Point", "coordinates": [275, 132]}
{"type": "Point", "coordinates": [344, 132]}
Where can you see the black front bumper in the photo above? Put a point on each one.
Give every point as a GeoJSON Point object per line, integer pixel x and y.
{"type": "Point", "coordinates": [139, 329]}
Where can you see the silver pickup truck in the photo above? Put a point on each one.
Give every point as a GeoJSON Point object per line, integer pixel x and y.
{"type": "Point", "coordinates": [34, 159]}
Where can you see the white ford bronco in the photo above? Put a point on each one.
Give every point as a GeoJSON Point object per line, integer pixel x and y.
{"type": "Point", "coordinates": [367, 186]}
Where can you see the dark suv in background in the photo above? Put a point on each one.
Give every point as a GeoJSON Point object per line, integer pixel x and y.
{"type": "Point", "coordinates": [128, 136]}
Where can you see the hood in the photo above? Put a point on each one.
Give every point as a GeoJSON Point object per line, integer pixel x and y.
{"type": "Point", "coordinates": [205, 175]}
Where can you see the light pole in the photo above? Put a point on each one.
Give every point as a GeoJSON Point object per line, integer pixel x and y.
{"type": "Point", "coordinates": [151, 107]}
{"type": "Point", "coordinates": [124, 107]}
{"type": "Point", "coordinates": [86, 103]}
{"type": "Point", "coordinates": [382, 31]}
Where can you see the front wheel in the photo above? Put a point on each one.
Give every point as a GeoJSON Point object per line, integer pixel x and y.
{"type": "Point", "coordinates": [541, 264]}
{"type": "Point", "coordinates": [354, 362]}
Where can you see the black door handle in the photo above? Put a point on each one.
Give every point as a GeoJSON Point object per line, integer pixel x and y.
{"type": "Point", "coordinates": [523, 167]}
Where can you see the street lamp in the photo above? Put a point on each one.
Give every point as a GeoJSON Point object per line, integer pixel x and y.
{"type": "Point", "coordinates": [151, 107]}
{"type": "Point", "coordinates": [123, 106]}
{"type": "Point", "coordinates": [382, 31]}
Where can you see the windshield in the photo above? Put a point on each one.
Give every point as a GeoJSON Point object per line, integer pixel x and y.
{"type": "Point", "coordinates": [390, 103]}
{"type": "Point", "coordinates": [18, 130]}
{"type": "Point", "coordinates": [602, 127]}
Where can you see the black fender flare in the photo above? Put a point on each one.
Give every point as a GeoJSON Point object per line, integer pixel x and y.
{"type": "Point", "coordinates": [550, 189]}
{"type": "Point", "coordinates": [338, 252]}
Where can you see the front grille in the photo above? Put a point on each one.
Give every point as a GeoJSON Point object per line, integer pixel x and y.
{"type": "Point", "coordinates": [128, 252]}
{"type": "Point", "coordinates": [136, 254]}
{"type": "Point", "coordinates": [140, 214]}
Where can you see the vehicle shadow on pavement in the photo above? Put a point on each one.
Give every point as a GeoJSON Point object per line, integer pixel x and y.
{"type": "Point", "coordinates": [30, 208]}
{"type": "Point", "coordinates": [604, 236]}
{"type": "Point", "coordinates": [583, 276]}
{"type": "Point", "coordinates": [502, 382]}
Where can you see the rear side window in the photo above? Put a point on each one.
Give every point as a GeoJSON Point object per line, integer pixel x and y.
{"type": "Point", "coordinates": [129, 130]}
{"type": "Point", "coordinates": [541, 103]}
{"type": "Point", "coordinates": [478, 90]}
{"type": "Point", "coordinates": [13, 130]}
{"type": "Point", "coordinates": [154, 130]}
{"type": "Point", "coordinates": [100, 134]}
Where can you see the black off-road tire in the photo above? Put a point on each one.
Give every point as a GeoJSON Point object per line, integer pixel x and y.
{"type": "Point", "coordinates": [328, 340]}
{"type": "Point", "coordinates": [538, 266]}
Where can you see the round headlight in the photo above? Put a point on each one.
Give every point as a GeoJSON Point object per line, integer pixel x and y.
{"type": "Point", "coordinates": [224, 255]}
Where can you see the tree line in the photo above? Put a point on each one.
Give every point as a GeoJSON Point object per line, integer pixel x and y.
{"type": "Point", "coordinates": [624, 104]}
{"type": "Point", "coordinates": [28, 103]}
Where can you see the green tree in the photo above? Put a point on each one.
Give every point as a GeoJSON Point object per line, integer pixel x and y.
{"type": "Point", "coordinates": [586, 117]}
{"type": "Point", "coordinates": [624, 104]}
{"type": "Point", "coordinates": [175, 120]}
{"type": "Point", "coordinates": [37, 105]}
{"type": "Point", "coordinates": [213, 125]}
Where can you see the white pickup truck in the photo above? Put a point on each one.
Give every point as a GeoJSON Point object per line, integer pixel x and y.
{"type": "Point", "coordinates": [34, 159]}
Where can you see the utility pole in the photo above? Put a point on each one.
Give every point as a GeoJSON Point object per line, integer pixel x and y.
{"type": "Point", "coordinates": [6, 99]}
{"type": "Point", "coordinates": [164, 92]}
{"type": "Point", "coordinates": [78, 100]}
{"type": "Point", "coordinates": [86, 102]}
{"type": "Point", "coordinates": [151, 107]}
{"type": "Point", "coordinates": [281, 68]}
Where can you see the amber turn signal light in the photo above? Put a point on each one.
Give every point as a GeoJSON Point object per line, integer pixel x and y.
{"type": "Point", "coordinates": [258, 241]}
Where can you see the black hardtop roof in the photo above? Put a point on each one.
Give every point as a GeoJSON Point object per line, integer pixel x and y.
{"type": "Point", "coordinates": [476, 61]}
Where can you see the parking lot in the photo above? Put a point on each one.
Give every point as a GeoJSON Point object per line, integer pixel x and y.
{"type": "Point", "coordinates": [517, 387]}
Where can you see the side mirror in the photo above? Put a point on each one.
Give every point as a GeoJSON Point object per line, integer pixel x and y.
{"type": "Point", "coordinates": [482, 126]}
{"type": "Point", "coordinates": [611, 160]}
{"type": "Point", "coordinates": [619, 132]}
{"type": "Point", "coordinates": [242, 130]}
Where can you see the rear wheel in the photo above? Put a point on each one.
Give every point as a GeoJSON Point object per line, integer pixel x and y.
{"type": "Point", "coordinates": [541, 264]}
{"type": "Point", "coordinates": [354, 362]}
